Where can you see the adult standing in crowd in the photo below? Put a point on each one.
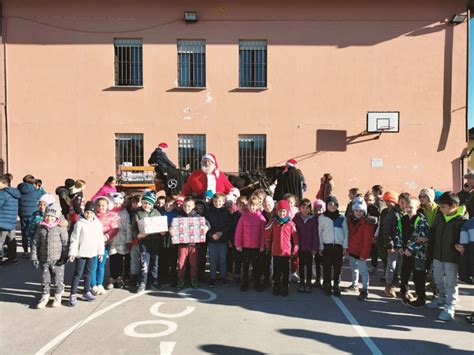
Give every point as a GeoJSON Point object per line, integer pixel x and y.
{"type": "Point", "coordinates": [326, 188]}
{"type": "Point", "coordinates": [9, 197]}
{"type": "Point", "coordinates": [289, 182]}
{"type": "Point", "coordinates": [159, 158]}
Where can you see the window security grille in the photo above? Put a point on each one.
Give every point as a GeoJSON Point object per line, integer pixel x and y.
{"type": "Point", "coordinates": [128, 62]}
{"type": "Point", "coordinates": [191, 63]}
{"type": "Point", "coordinates": [128, 149]}
{"type": "Point", "coordinates": [191, 148]}
{"type": "Point", "coordinates": [253, 64]}
{"type": "Point", "coordinates": [252, 152]}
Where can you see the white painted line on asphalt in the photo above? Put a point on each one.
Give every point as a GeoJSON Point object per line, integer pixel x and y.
{"type": "Point", "coordinates": [131, 332]}
{"type": "Point", "coordinates": [415, 315]}
{"type": "Point", "coordinates": [155, 310]}
{"type": "Point", "coordinates": [370, 344]}
{"type": "Point", "coordinates": [80, 324]}
{"type": "Point", "coordinates": [167, 347]}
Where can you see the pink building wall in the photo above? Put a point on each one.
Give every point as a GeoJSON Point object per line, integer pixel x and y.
{"type": "Point", "coordinates": [328, 64]}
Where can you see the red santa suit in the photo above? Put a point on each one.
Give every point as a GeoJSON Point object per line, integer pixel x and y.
{"type": "Point", "coordinates": [199, 182]}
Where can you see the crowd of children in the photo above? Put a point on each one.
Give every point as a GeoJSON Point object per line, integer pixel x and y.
{"type": "Point", "coordinates": [413, 236]}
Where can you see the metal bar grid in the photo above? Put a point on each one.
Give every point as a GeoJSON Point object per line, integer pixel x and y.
{"type": "Point", "coordinates": [191, 148]}
{"type": "Point", "coordinates": [128, 148]}
{"type": "Point", "coordinates": [128, 62]}
{"type": "Point", "coordinates": [252, 152]}
{"type": "Point", "coordinates": [191, 63]}
{"type": "Point", "coordinates": [252, 63]}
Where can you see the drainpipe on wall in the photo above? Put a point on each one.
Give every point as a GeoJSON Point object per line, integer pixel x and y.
{"type": "Point", "coordinates": [3, 34]}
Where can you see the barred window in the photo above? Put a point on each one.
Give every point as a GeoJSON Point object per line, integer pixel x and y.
{"type": "Point", "coordinates": [191, 63]}
{"type": "Point", "coordinates": [128, 62]}
{"type": "Point", "coordinates": [253, 63]}
{"type": "Point", "coordinates": [128, 149]}
{"type": "Point", "coordinates": [191, 148]}
{"type": "Point", "coordinates": [252, 152]}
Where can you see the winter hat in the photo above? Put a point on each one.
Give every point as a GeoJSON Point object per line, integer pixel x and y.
{"type": "Point", "coordinates": [149, 196]}
{"type": "Point", "coordinates": [319, 204]}
{"type": "Point", "coordinates": [117, 197]}
{"type": "Point", "coordinates": [89, 206]}
{"type": "Point", "coordinates": [390, 196]}
{"type": "Point", "coordinates": [53, 210]}
{"type": "Point", "coordinates": [438, 194]}
{"type": "Point", "coordinates": [429, 193]}
{"type": "Point", "coordinates": [211, 157]}
{"type": "Point", "coordinates": [469, 175]}
{"type": "Point", "coordinates": [269, 201]}
{"type": "Point", "coordinates": [69, 183]}
{"type": "Point", "coordinates": [208, 194]}
{"type": "Point", "coordinates": [292, 162]}
{"type": "Point", "coordinates": [47, 198]}
{"type": "Point", "coordinates": [180, 199]}
{"type": "Point", "coordinates": [332, 199]}
{"type": "Point", "coordinates": [283, 205]}
{"type": "Point", "coordinates": [235, 191]}
{"type": "Point", "coordinates": [359, 204]}
{"type": "Point", "coordinates": [163, 146]}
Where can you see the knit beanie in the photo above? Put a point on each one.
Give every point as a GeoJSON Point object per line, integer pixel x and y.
{"type": "Point", "coordinates": [269, 201]}
{"type": "Point", "coordinates": [390, 196]}
{"type": "Point", "coordinates": [117, 197]}
{"type": "Point", "coordinates": [429, 193]}
{"type": "Point", "coordinates": [47, 198]}
{"type": "Point", "coordinates": [235, 191]}
{"type": "Point", "coordinates": [283, 205]}
{"type": "Point", "coordinates": [89, 206]}
{"type": "Point", "coordinates": [359, 204]}
{"type": "Point", "coordinates": [149, 196]}
{"type": "Point", "coordinates": [69, 183]}
{"type": "Point", "coordinates": [319, 204]}
{"type": "Point", "coordinates": [332, 199]}
{"type": "Point", "coordinates": [53, 210]}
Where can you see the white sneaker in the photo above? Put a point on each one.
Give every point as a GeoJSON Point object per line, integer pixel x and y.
{"type": "Point", "coordinates": [57, 300]}
{"type": "Point", "coordinates": [43, 302]}
{"type": "Point", "coordinates": [101, 290]}
{"type": "Point", "coordinates": [436, 303]}
{"type": "Point", "coordinates": [295, 277]}
{"type": "Point", "coordinates": [95, 290]}
{"type": "Point", "coordinates": [110, 285]}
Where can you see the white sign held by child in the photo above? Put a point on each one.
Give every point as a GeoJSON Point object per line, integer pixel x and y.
{"type": "Point", "coordinates": [188, 230]}
{"type": "Point", "coordinates": [151, 225]}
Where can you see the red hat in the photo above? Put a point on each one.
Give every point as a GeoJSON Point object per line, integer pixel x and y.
{"type": "Point", "coordinates": [390, 196]}
{"type": "Point", "coordinates": [211, 157]}
{"type": "Point", "coordinates": [163, 146]}
{"type": "Point", "coordinates": [291, 162]}
{"type": "Point", "coordinates": [180, 199]}
{"type": "Point", "coordinates": [283, 205]}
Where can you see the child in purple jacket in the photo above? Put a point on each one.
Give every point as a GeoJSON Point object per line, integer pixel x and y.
{"type": "Point", "coordinates": [307, 228]}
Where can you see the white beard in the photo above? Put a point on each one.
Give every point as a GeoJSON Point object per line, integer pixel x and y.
{"type": "Point", "coordinates": [208, 170]}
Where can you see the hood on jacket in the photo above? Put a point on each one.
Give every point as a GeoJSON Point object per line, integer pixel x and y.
{"type": "Point", "coordinates": [461, 211]}
{"type": "Point", "coordinates": [26, 188]}
{"type": "Point", "coordinates": [15, 193]}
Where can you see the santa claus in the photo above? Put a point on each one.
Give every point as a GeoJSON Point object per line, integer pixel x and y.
{"type": "Point", "coordinates": [207, 181]}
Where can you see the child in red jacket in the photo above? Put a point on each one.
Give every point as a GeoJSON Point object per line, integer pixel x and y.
{"type": "Point", "coordinates": [360, 244]}
{"type": "Point", "coordinates": [281, 237]}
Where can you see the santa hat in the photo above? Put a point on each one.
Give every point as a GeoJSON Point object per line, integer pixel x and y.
{"type": "Point", "coordinates": [180, 199]}
{"type": "Point", "coordinates": [163, 146]}
{"type": "Point", "coordinates": [292, 162]}
{"type": "Point", "coordinates": [213, 159]}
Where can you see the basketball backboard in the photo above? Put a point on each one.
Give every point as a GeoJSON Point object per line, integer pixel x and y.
{"type": "Point", "coordinates": [383, 121]}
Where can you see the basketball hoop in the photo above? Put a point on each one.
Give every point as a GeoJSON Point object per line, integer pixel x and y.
{"type": "Point", "coordinates": [383, 122]}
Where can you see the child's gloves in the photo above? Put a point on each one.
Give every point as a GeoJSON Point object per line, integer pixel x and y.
{"type": "Point", "coordinates": [35, 264]}
{"type": "Point", "coordinates": [61, 262]}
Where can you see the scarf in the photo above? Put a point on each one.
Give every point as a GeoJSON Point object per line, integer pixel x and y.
{"type": "Point", "coordinates": [282, 220]}
{"type": "Point", "coordinates": [332, 215]}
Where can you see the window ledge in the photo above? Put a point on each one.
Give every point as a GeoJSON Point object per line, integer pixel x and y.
{"type": "Point", "coordinates": [187, 88]}
{"type": "Point", "coordinates": [123, 88]}
{"type": "Point", "coordinates": [249, 89]}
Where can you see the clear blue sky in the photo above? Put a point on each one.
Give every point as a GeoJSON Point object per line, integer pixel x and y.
{"type": "Point", "coordinates": [470, 101]}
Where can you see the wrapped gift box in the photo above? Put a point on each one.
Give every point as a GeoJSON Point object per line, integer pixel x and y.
{"type": "Point", "coordinates": [151, 225]}
{"type": "Point", "coordinates": [188, 230]}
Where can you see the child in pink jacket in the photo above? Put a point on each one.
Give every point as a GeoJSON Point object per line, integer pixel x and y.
{"type": "Point", "coordinates": [249, 239]}
{"type": "Point", "coordinates": [281, 237]}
